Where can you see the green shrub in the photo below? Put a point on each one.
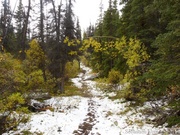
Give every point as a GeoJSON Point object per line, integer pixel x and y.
{"type": "Point", "coordinates": [26, 132]}
{"type": "Point", "coordinates": [71, 69]}
{"type": "Point", "coordinates": [85, 59]}
{"type": "Point", "coordinates": [35, 80]}
{"type": "Point", "coordinates": [35, 56]}
{"type": "Point", "coordinates": [128, 95]}
{"type": "Point", "coordinates": [173, 120]}
{"type": "Point", "coordinates": [114, 76]}
{"type": "Point", "coordinates": [12, 78]}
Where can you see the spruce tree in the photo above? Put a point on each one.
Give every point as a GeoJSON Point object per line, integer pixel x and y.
{"type": "Point", "coordinates": [25, 30]}
{"type": "Point", "coordinates": [7, 27]}
{"type": "Point", "coordinates": [19, 19]}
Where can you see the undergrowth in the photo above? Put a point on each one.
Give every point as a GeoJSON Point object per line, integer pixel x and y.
{"type": "Point", "coordinates": [72, 90]}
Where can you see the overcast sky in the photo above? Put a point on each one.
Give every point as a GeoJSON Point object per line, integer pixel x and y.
{"type": "Point", "coordinates": [88, 11]}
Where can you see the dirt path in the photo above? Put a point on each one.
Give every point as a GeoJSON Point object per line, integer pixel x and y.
{"type": "Point", "coordinates": [89, 121]}
{"type": "Point", "coordinates": [86, 126]}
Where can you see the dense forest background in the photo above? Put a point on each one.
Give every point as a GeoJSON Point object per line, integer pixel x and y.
{"type": "Point", "coordinates": [137, 47]}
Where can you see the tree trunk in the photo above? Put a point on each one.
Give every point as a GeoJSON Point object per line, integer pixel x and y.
{"type": "Point", "coordinates": [25, 26]}
{"type": "Point", "coordinates": [42, 44]}
{"type": "Point", "coordinates": [61, 63]}
{"type": "Point", "coordinates": [62, 76]}
{"type": "Point", "coordinates": [42, 23]}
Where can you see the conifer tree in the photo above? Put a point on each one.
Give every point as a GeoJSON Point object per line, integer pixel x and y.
{"type": "Point", "coordinates": [41, 24]}
{"type": "Point", "coordinates": [111, 20]}
{"type": "Point", "coordinates": [106, 31]}
{"type": "Point", "coordinates": [25, 30]}
{"type": "Point", "coordinates": [165, 68]}
{"type": "Point", "coordinates": [69, 32]}
{"type": "Point", "coordinates": [78, 30]}
{"type": "Point", "coordinates": [136, 22]}
{"type": "Point", "coordinates": [19, 19]}
{"type": "Point", "coordinates": [7, 27]}
{"type": "Point", "coordinates": [55, 46]}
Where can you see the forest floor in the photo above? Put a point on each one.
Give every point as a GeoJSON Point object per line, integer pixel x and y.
{"type": "Point", "coordinates": [92, 114]}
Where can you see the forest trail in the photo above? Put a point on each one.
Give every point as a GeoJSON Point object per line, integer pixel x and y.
{"type": "Point", "coordinates": [93, 114]}
{"type": "Point", "coordinates": [86, 126]}
{"type": "Point", "coordinates": [89, 121]}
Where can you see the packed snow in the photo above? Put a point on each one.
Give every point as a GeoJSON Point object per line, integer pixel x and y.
{"type": "Point", "coordinates": [94, 115]}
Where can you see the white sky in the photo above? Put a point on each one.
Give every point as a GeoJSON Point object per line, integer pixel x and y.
{"type": "Point", "coordinates": [88, 11]}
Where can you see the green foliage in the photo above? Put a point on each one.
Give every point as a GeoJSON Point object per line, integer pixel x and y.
{"type": "Point", "coordinates": [26, 132]}
{"type": "Point", "coordinates": [12, 78]}
{"type": "Point", "coordinates": [127, 94]}
{"type": "Point", "coordinates": [111, 20]}
{"type": "Point", "coordinates": [164, 70]}
{"type": "Point", "coordinates": [72, 69]}
{"type": "Point", "coordinates": [35, 56]}
{"type": "Point", "coordinates": [85, 58]}
{"type": "Point", "coordinates": [74, 44]}
{"type": "Point", "coordinates": [12, 102]}
{"type": "Point", "coordinates": [173, 120]}
{"type": "Point", "coordinates": [17, 78]}
{"type": "Point", "coordinates": [22, 110]}
{"type": "Point", "coordinates": [133, 51]}
{"type": "Point", "coordinates": [142, 96]}
{"type": "Point", "coordinates": [129, 53]}
{"type": "Point", "coordinates": [12, 82]}
{"type": "Point", "coordinates": [156, 24]}
{"type": "Point", "coordinates": [35, 80]}
{"type": "Point", "coordinates": [114, 76]}
{"type": "Point", "coordinates": [15, 98]}
{"type": "Point", "coordinates": [38, 77]}
{"type": "Point", "coordinates": [71, 90]}
{"type": "Point", "coordinates": [103, 53]}
{"type": "Point", "coordinates": [34, 65]}
{"type": "Point", "coordinates": [102, 46]}
{"type": "Point", "coordinates": [50, 82]}
{"type": "Point", "coordinates": [143, 23]}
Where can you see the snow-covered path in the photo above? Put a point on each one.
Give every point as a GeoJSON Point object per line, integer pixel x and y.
{"type": "Point", "coordinates": [93, 115]}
